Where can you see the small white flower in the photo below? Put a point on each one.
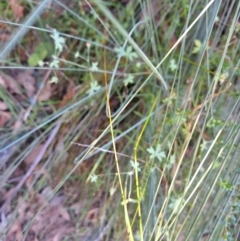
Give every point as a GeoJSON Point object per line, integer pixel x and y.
{"type": "Point", "coordinates": [93, 178]}
{"type": "Point", "coordinates": [76, 55]}
{"type": "Point", "coordinates": [130, 173]}
{"type": "Point", "coordinates": [135, 165]}
{"type": "Point", "coordinates": [172, 65]}
{"type": "Point", "coordinates": [138, 65]}
{"type": "Point", "coordinates": [88, 45]}
{"type": "Point", "coordinates": [112, 191]}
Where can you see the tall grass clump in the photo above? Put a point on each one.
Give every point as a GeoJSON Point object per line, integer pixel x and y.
{"type": "Point", "coordinates": [122, 120]}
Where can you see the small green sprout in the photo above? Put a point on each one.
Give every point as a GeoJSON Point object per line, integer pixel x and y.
{"type": "Point", "coordinates": [128, 53]}
{"type": "Point", "coordinates": [226, 185]}
{"type": "Point", "coordinates": [135, 165]}
{"type": "Point", "coordinates": [94, 87]}
{"type": "Point", "coordinates": [156, 153]}
{"type": "Point", "coordinates": [198, 46]}
{"type": "Point", "coordinates": [58, 40]}
{"type": "Point", "coordinates": [54, 63]}
{"type": "Point", "coordinates": [170, 162]}
{"type": "Point", "coordinates": [212, 122]}
{"type": "Point", "coordinates": [172, 65]}
{"type": "Point", "coordinates": [94, 66]}
{"type": "Point", "coordinates": [129, 80]}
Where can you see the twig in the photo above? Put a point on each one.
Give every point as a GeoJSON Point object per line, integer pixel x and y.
{"type": "Point", "coordinates": [103, 150]}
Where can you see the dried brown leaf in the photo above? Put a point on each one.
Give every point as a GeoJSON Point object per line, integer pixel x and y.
{"type": "Point", "coordinates": [78, 207]}
{"type": "Point", "coordinates": [26, 79]}
{"type": "Point", "coordinates": [45, 93]}
{"type": "Point", "coordinates": [33, 154]}
{"type": "Point", "coordinates": [3, 106]}
{"type": "Point", "coordinates": [16, 8]}
{"type": "Point", "coordinates": [4, 36]}
{"type": "Point", "coordinates": [69, 95]}
{"type": "Point", "coordinates": [15, 232]}
{"type": "Point", "coordinates": [5, 116]}
{"type": "Point", "coordinates": [63, 212]}
{"type": "Point", "coordinates": [58, 236]}
{"type": "Point", "coordinates": [2, 82]}
{"type": "Point", "coordinates": [52, 223]}
{"type": "Point", "coordinates": [7, 81]}
{"type": "Point", "coordinates": [18, 123]}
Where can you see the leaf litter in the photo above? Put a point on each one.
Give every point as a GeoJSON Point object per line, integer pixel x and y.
{"type": "Point", "coordinates": [16, 8]}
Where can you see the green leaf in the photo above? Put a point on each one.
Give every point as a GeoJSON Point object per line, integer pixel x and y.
{"type": "Point", "coordinates": [170, 162]}
{"type": "Point", "coordinates": [197, 47]}
{"type": "Point", "coordinates": [58, 40]}
{"type": "Point", "coordinates": [40, 53]}
{"type": "Point", "coordinates": [135, 165]}
{"type": "Point", "coordinates": [128, 53]}
{"type": "Point", "coordinates": [158, 153]}
{"type": "Point", "coordinates": [54, 63]}
{"type": "Point", "coordinates": [94, 66]}
{"type": "Point", "coordinates": [212, 122]}
{"type": "Point", "coordinates": [94, 87]}
{"type": "Point", "coordinates": [129, 80]}
{"type": "Point", "coordinates": [34, 59]}
{"type": "Point", "coordinates": [226, 185]}
{"type": "Point", "coordinates": [172, 65]}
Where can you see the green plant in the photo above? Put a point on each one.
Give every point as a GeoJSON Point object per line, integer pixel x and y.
{"type": "Point", "coordinates": [134, 116]}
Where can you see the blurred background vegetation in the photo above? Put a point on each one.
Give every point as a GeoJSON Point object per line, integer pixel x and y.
{"type": "Point", "coordinates": [119, 120]}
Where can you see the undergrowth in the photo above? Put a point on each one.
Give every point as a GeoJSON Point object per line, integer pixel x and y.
{"type": "Point", "coordinates": [120, 120]}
